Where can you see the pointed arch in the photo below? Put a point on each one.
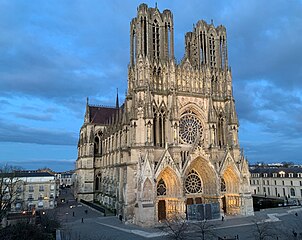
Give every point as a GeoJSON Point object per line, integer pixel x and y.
{"type": "Point", "coordinates": [207, 174]}
{"type": "Point", "coordinates": [171, 181]}
{"type": "Point", "coordinates": [147, 190]}
{"type": "Point", "coordinates": [232, 179]}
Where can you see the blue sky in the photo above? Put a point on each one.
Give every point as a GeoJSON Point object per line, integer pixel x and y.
{"type": "Point", "coordinates": [54, 54]}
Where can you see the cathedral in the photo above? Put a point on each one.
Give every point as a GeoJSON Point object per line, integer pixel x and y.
{"type": "Point", "coordinates": [173, 143]}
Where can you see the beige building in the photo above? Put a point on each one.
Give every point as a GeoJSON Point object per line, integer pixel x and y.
{"type": "Point", "coordinates": [174, 141]}
{"type": "Point", "coordinates": [35, 190]}
{"type": "Point", "coordinates": [65, 179]}
{"type": "Point", "coordinates": [277, 182]}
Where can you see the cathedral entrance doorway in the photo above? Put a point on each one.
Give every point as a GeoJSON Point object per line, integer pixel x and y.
{"type": "Point", "coordinates": [223, 204]}
{"type": "Point", "coordinates": [161, 208]}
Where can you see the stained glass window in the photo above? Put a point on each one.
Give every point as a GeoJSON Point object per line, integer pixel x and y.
{"type": "Point", "coordinates": [222, 185]}
{"type": "Point", "coordinates": [193, 183]}
{"type": "Point", "coordinates": [161, 188]}
{"type": "Point", "coordinates": [189, 127]}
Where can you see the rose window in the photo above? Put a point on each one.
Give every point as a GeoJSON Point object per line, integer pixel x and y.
{"type": "Point", "coordinates": [189, 128]}
{"type": "Point", "coordinates": [193, 183]}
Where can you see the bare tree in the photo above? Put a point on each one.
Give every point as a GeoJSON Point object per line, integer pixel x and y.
{"type": "Point", "coordinates": [264, 230]}
{"type": "Point", "coordinates": [10, 187]}
{"type": "Point", "coordinates": [176, 227]}
{"type": "Point", "coordinates": [205, 230]}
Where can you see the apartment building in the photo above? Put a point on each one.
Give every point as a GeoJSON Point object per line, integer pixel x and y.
{"type": "Point", "coordinates": [278, 182]}
{"type": "Point", "coordinates": [34, 190]}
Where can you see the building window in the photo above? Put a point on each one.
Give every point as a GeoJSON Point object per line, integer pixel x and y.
{"type": "Point", "coordinates": [268, 191]}
{"type": "Point", "coordinates": [275, 182]}
{"type": "Point", "coordinates": [30, 188]}
{"type": "Point", "coordinates": [258, 189]}
{"type": "Point", "coordinates": [276, 191]}
{"type": "Point", "coordinates": [267, 182]}
{"type": "Point", "coordinates": [30, 197]}
{"type": "Point", "coordinates": [283, 183]}
{"type": "Point", "coordinates": [263, 182]}
{"type": "Point", "coordinates": [291, 175]}
{"type": "Point", "coordinates": [258, 182]}
{"type": "Point", "coordinates": [41, 188]}
{"type": "Point", "coordinates": [282, 174]}
{"type": "Point", "coordinates": [265, 175]}
{"type": "Point", "coordinates": [274, 174]}
{"type": "Point", "coordinates": [292, 192]}
{"type": "Point", "coordinates": [161, 188]}
{"type": "Point", "coordinates": [264, 189]}
{"type": "Point", "coordinates": [193, 183]}
{"type": "Point", "coordinates": [291, 183]}
{"type": "Point", "coordinates": [223, 185]}
{"type": "Point", "coordinates": [284, 192]}
{"type": "Point", "coordinates": [301, 192]}
{"type": "Point", "coordinates": [300, 183]}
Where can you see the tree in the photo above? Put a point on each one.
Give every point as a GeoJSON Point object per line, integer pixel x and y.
{"type": "Point", "coordinates": [264, 230]}
{"type": "Point", "coordinates": [205, 230]}
{"type": "Point", "coordinates": [176, 227]}
{"type": "Point", "coordinates": [10, 187]}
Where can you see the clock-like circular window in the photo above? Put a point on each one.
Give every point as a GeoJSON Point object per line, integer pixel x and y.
{"type": "Point", "coordinates": [189, 128]}
{"type": "Point", "coordinates": [193, 183]}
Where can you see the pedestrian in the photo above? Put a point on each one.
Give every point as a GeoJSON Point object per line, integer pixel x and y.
{"type": "Point", "coordinates": [73, 214]}
{"type": "Point", "coordinates": [82, 220]}
{"type": "Point", "coordinates": [296, 214]}
{"type": "Point", "coordinates": [86, 211]}
{"type": "Point", "coordinates": [222, 218]}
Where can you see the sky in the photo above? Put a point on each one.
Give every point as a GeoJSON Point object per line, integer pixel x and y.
{"type": "Point", "coordinates": [54, 54]}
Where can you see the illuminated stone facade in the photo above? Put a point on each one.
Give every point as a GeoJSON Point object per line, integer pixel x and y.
{"type": "Point", "coordinates": [174, 141]}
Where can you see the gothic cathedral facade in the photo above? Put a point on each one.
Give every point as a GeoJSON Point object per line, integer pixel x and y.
{"type": "Point", "coordinates": [174, 141]}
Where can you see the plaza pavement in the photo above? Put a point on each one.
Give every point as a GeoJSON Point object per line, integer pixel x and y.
{"type": "Point", "coordinates": [79, 225]}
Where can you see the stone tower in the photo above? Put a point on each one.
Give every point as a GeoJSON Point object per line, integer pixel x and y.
{"type": "Point", "coordinates": [174, 142]}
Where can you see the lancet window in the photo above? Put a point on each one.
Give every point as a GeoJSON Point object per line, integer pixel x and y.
{"type": "Point", "coordinates": [96, 145]}
{"type": "Point", "coordinates": [220, 131]}
{"type": "Point", "coordinates": [222, 185]}
{"type": "Point", "coordinates": [212, 51]}
{"type": "Point", "coordinates": [155, 33]}
{"type": "Point", "coordinates": [159, 123]}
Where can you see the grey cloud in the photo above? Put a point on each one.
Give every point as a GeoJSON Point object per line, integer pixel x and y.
{"type": "Point", "coordinates": [11, 132]}
{"type": "Point", "coordinates": [40, 117]}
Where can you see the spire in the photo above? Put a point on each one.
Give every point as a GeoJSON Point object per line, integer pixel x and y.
{"type": "Point", "coordinates": [87, 112]}
{"type": "Point", "coordinates": [233, 119]}
{"type": "Point", "coordinates": [117, 105]}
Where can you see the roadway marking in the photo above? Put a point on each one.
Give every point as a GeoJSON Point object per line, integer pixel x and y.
{"type": "Point", "coordinates": [136, 232]}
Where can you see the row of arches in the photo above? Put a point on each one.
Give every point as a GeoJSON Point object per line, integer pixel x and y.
{"type": "Point", "coordinates": [200, 178]}
{"type": "Point", "coordinates": [200, 184]}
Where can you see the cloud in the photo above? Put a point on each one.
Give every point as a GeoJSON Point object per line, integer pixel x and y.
{"type": "Point", "coordinates": [41, 117]}
{"type": "Point", "coordinates": [59, 53]}
{"type": "Point", "coordinates": [11, 132]}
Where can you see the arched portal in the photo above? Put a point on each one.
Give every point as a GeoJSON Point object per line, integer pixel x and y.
{"type": "Point", "coordinates": [169, 199]}
{"type": "Point", "coordinates": [200, 182]}
{"type": "Point", "coordinates": [230, 193]}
